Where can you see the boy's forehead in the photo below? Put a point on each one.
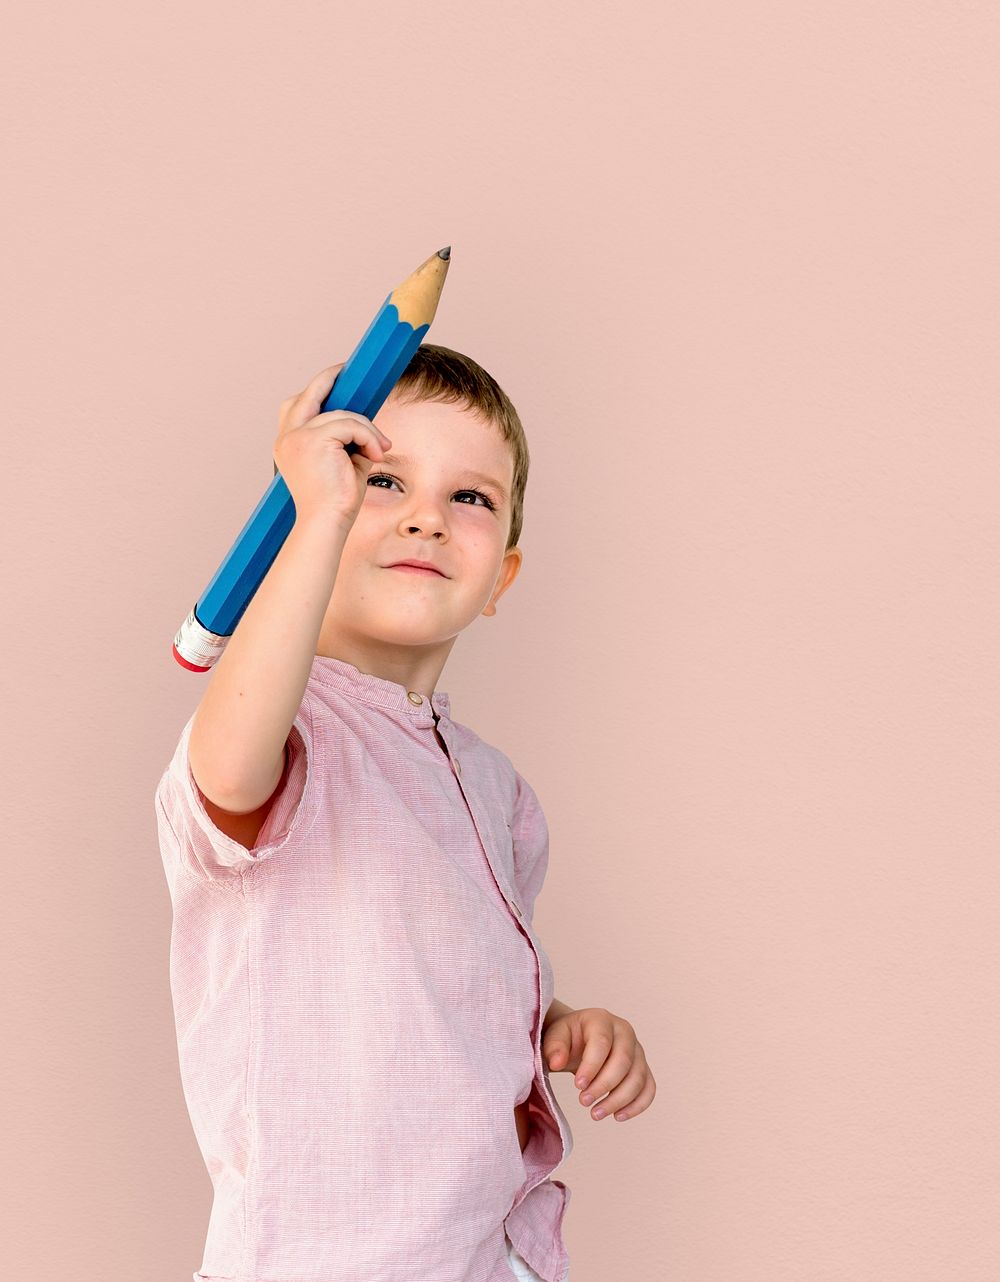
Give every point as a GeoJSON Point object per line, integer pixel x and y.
{"type": "Point", "coordinates": [453, 430]}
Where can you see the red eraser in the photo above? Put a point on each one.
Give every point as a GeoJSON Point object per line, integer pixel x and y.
{"type": "Point", "coordinates": [191, 667]}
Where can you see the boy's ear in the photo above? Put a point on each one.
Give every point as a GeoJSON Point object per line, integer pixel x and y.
{"type": "Point", "coordinates": [509, 569]}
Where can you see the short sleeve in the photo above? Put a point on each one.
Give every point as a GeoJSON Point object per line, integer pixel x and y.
{"type": "Point", "coordinates": [189, 836]}
{"type": "Point", "coordinates": [531, 845]}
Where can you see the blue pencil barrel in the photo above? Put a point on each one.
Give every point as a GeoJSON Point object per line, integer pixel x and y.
{"type": "Point", "coordinates": [367, 378]}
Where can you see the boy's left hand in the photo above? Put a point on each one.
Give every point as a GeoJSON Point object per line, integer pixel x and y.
{"type": "Point", "coordinates": [605, 1050]}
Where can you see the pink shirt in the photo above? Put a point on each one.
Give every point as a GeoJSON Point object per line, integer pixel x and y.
{"type": "Point", "coordinates": [358, 1002]}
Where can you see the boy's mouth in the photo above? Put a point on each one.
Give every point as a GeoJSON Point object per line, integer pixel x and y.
{"type": "Point", "coordinates": [417, 567]}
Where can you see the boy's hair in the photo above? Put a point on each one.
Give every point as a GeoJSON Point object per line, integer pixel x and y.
{"type": "Point", "coordinates": [441, 374]}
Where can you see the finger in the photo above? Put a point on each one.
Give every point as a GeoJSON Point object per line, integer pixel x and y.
{"type": "Point", "coordinates": [325, 380]}
{"type": "Point", "coordinates": [371, 438]}
{"type": "Point", "coordinates": [568, 1034]}
{"type": "Point", "coordinates": [557, 1051]}
{"type": "Point", "coordinates": [618, 1064]}
{"type": "Point", "coordinates": [626, 1050]}
{"type": "Point", "coordinates": [365, 438]}
{"type": "Point", "coordinates": [363, 427]}
{"type": "Point", "coordinates": [641, 1102]}
{"type": "Point", "coordinates": [300, 408]}
{"type": "Point", "coordinates": [317, 389]}
{"type": "Point", "coordinates": [624, 1092]}
{"type": "Point", "coordinates": [595, 1052]}
{"type": "Point", "coordinates": [558, 1056]}
{"type": "Point", "coordinates": [320, 385]}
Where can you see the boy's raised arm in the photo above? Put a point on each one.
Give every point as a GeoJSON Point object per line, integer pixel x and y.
{"type": "Point", "coordinates": [237, 743]}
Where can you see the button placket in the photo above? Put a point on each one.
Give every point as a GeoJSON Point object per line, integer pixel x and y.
{"type": "Point", "coordinates": [562, 1126]}
{"type": "Point", "coordinates": [501, 881]}
{"type": "Point", "coordinates": [456, 764]}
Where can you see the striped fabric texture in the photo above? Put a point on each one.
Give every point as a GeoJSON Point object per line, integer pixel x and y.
{"type": "Point", "coordinates": [358, 1002]}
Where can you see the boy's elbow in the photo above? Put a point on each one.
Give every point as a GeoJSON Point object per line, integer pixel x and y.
{"type": "Point", "coordinates": [237, 794]}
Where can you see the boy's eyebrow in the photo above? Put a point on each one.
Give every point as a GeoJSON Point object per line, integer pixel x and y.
{"type": "Point", "coordinates": [403, 461]}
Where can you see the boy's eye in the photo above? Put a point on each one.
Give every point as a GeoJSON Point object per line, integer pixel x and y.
{"type": "Point", "coordinates": [375, 476]}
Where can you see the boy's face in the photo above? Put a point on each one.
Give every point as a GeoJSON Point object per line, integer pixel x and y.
{"type": "Point", "coordinates": [424, 508]}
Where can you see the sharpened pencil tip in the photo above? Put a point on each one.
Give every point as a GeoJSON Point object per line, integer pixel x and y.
{"type": "Point", "coordinates": [445, 253]}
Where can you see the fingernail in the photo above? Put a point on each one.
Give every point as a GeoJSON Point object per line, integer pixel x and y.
{"type": "Point", "coordinates": [581, 1081]}
{"type": "Point", "coordinates": [587, 1099]}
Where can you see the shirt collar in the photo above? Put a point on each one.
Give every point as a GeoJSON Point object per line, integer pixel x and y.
{"type": "Point", "coordinates": [349, 680]}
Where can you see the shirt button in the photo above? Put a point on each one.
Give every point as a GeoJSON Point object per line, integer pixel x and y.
{"type": "Point", "coordinates": [414, 697]}
{"type": "Point", "coordinates": [517, 910]}
{"type": "Point", "coordinates": [458, 765]}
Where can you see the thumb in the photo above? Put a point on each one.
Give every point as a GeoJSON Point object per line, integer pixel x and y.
{"type": "Point", "coordinates": [557, 1052]}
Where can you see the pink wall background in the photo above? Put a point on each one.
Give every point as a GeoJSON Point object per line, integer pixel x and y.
{"type": "Point", "coordinates": [737, 267]}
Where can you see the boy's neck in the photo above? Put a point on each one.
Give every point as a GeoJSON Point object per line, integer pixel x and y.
{"type": "Point", "coordinates": [416, 668]}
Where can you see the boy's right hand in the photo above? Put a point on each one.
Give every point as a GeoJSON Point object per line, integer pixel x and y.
{"type": "Point", "coordinates": [310, 452]}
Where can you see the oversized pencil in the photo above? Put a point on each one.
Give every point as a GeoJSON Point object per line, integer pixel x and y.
{"type": "Point", "coordinates": [362, 385]}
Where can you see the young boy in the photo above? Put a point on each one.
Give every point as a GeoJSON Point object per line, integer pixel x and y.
{"type": "Point", "coordinates": [365, 1016]}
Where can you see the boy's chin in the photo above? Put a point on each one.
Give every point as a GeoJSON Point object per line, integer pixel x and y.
{"type": "Point", "coordinates": [407, 627]}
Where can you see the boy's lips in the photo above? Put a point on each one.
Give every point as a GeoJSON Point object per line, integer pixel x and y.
{"type": "Point", "coordinates": [419, 567]}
